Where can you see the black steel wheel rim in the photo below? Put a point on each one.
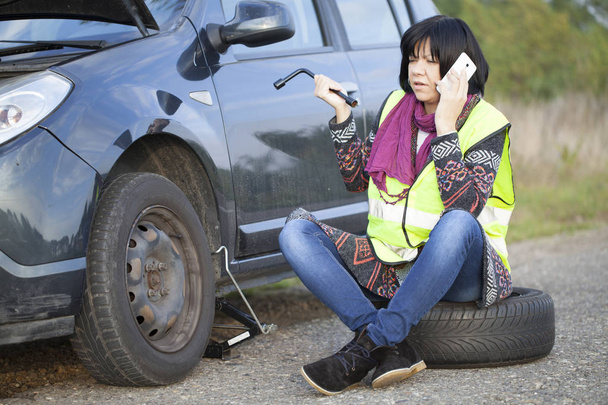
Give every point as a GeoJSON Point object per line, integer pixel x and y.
{"type": "Point", "coordinates": [162, 279]}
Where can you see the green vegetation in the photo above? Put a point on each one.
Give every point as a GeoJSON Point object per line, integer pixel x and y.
{"type": "Point", "coordinates": [536, 48]}
{"type": "Point", "coordinates": [578, 203]}
{"type": "Point", "coordinates": [549, 75]}
{"type": "Point", "coordinates": [559, 160]}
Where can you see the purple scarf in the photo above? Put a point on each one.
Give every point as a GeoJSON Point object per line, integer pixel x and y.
{"type": "Point", "coordinates": [393, 148]}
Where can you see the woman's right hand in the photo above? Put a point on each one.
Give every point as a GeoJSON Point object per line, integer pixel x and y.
{"type": "Point", "coordinates": [323, 90]}
{"type": "Point", "coordinates": [452, 101]}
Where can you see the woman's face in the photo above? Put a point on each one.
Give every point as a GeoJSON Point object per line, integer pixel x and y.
{"type": "Point", "coordinates": [422, 73]}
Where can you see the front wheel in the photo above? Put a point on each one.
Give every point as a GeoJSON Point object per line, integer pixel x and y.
{"type": "Point", "coordinates": [148, 304]}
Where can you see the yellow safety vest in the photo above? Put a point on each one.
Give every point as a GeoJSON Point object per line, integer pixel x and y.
{"type": "Point", "coordinates": [397, 230]}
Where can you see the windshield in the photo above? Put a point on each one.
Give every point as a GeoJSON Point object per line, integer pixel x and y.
{"type": "Point", "coordinates": [165, 12]}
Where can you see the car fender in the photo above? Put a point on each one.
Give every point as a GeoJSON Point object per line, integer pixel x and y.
{"type": "Point", "coordinates": [114, 105]}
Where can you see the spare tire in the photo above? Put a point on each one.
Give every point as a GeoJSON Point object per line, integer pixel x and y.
{"type": "Point", "coordinates": [518, 329]}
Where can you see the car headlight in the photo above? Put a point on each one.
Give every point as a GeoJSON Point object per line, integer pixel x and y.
{"type": "Point", "coordinates": [27, 100]}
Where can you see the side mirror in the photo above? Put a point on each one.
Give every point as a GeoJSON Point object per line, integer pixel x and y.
{"type": "Point", "coordinates": [254, 24]}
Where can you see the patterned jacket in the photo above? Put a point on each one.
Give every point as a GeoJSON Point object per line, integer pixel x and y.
{"type": "Point", "coordinates": [463, 185]}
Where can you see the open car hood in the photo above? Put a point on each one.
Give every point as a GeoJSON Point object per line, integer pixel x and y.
{"type": "Point", "coordinates": [128, 12]}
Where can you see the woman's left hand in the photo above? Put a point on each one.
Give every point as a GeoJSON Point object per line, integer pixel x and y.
{"type": "Point", "coordinates": [451, 102]}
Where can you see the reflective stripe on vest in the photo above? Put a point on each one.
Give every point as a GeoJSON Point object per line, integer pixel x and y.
{"type": "Point", "coordinates": [397, 230]}
{"type": "Point", "coordinates": [394, 213]}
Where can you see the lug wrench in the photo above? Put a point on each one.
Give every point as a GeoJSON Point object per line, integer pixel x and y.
{"type": "Point", "coordinates": [281, 82]}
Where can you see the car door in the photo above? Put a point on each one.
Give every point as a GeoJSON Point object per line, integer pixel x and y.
{"type": "Point", "coordinates": [280, 148]}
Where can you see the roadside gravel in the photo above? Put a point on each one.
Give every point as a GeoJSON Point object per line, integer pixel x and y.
{"type": "Point", "coordinates": [572, 269]}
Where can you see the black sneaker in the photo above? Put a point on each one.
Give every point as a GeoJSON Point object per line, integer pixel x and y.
{"type": "Point", "coordinates": [396, 363]}
{"type": "Point", "coordinates": [343, 370]}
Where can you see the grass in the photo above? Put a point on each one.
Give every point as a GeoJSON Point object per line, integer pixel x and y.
{"type": "Point", "coordinates": [556, 138]}
{"type": "Point", "coordinates": [559, 151]}
{"type": "Point", "coordinates": [575, 204]}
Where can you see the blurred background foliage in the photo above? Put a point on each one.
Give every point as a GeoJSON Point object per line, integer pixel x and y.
{"type": "Point", "coordinates": [549, 75]}
{"type": "Point", "coordinates": [537, 48]}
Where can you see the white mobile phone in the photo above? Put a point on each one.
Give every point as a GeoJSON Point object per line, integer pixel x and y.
{"type": "Point", "coordinates": [463, 62]}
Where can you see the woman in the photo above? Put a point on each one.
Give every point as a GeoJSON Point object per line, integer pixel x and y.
{"type": "Point", "coordinates": [437, 171]}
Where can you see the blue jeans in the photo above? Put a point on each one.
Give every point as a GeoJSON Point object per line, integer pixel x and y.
{"type": "Point", "coordinates": [449, 268]}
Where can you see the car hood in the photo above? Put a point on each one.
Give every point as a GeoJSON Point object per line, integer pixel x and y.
{"type": "Point", "coordinates": [113, 11]}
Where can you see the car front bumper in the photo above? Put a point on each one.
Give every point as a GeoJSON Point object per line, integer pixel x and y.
{"type": "Point", "coordinates": [39, 302]}
{"type": "Point", "coordinates": [47, 201]}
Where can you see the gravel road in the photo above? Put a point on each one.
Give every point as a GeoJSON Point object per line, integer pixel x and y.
{"type": "Point", "coordinates": [572, 269]}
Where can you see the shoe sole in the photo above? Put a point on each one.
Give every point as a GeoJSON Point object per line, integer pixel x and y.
{"type": "Point", "coordinates": [321, 389]}
{"type": "Point", "coordinates": [398, 375]}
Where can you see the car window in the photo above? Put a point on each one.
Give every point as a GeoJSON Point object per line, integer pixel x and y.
{"type": "Point", "coordinates": [401, 11]}
{"type": "Point", "coordinates": [309, 34]}
{"type": "Point", "coordinates": [368, 23]}
{"type": "Point", "coordinates": [165, 11]}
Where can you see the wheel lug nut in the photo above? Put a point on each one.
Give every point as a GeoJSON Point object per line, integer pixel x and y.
{"type": "Point", "coordinates": [165, 291]}
{"type": "Point", "coordinates": [151, 293]}
{"type": "Point", "coordinates": [150, 267]}
{"type": "Point", "coordinates": [162, 266]}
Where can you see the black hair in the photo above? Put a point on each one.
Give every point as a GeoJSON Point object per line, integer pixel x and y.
{"type": "Point", "coordinates": [449, 37]}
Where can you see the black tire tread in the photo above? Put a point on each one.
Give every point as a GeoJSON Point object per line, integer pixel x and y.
{"type": "Point", "coordinates": [516, 330]}
{"type": "Point", "coordinates": [113, 366]}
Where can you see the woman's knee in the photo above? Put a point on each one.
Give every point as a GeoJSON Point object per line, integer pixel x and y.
{"type": "Point", "coordinates": [458, 216]}
{"type": "Point", "coordinates": [294, 231]}
{"type": "Point", "coordinates": [459, 221]}
{"type": "Point", "coordinates": [455, 228]}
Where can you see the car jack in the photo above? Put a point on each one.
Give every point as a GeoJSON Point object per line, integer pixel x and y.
{"type": "Point", "coordinates": [250, 325]}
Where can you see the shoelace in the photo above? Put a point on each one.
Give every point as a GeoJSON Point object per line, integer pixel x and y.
{"type": "Point", "coordinates": [350, 349]}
